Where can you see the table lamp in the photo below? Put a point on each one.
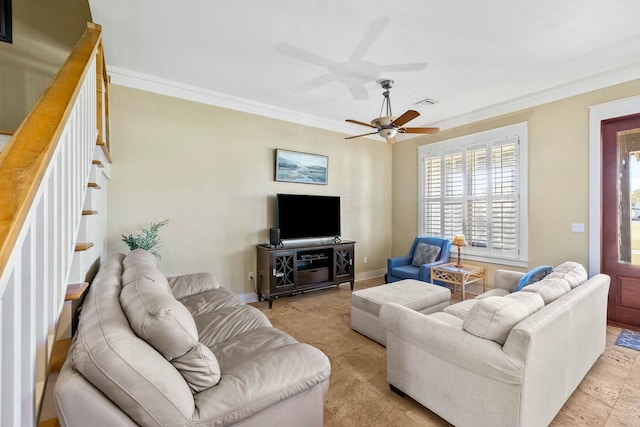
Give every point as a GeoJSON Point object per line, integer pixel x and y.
{"type": "Point", "coordinates": [458, 240]}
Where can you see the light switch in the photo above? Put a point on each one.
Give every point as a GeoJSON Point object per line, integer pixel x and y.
{"type": "Point", "coordinates": [577, 227]}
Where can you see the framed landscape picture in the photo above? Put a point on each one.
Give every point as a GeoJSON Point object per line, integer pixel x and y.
{"type": "Point", "coordinates": [293, 166]}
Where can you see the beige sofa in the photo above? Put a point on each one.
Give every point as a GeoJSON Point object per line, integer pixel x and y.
{"type": "Point", "coordinates": [502, 359]}
{"type": "Point", "coordinates": [182, 351]}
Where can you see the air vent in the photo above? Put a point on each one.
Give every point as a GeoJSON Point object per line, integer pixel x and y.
{"type": "Point", "coordinates": [426, 102]}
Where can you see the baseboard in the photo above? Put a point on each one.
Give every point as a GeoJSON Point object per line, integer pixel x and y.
{"type": "Point", "coordinates": [253, 297]}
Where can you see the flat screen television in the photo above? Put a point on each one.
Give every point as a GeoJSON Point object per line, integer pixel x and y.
{"type": "Point", "coordinates": [301, 216]}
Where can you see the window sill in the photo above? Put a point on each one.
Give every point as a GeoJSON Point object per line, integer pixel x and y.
{"type": "Point", "coordinates": [495, 260]}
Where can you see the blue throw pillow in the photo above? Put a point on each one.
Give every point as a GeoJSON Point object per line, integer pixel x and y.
{"type": "Point", "coordinates": [425, 254]}
{"type": "Point", "coordinates": [533, 276]}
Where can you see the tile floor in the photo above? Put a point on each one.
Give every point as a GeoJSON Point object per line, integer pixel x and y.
{"type": "Point", "coordinates": [359, 394]}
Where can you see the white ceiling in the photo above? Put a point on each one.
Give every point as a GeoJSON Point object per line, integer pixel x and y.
{"type": "Point", "coordinates": [316, 61]}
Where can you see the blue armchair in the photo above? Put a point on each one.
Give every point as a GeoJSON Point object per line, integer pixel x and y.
{"type": "Point", "coordinates": [400, 268]}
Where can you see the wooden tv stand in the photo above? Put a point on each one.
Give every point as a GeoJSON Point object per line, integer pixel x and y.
{"type": "Point", "coordinates": [298, 268]}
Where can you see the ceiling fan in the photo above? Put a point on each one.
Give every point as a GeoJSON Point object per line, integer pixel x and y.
{"type": "Point", "coordinates": [388, 126]}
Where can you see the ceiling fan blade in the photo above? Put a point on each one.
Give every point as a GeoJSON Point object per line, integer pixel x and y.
{"type": "Point", "coordinates": [358, 91]}
{"type": "Point", "coordinates": [405, 118]}
{"type": "Point", "coordinates": [361, 123]}
{"type": "Point", "coordinates": [417, 66]}
{"type": "Point", "coordinates": [303, 55]}
{"type": "Point", "coordinates": [358, 136]}
{"type": "Point", "coordinates": [312, 84]}
{"type": "Point", "coordinates": [419, 130]}
{"type": "Point", "coordinates": [392, 140]}
{"type": "Point", "coordinates": [370, 35]}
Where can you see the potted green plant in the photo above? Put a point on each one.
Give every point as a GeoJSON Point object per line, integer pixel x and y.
{"type": "Point", "coordinates": [148, 239]}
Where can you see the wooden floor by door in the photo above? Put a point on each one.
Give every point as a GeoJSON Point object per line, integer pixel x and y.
{"type": "Point", "coordinates": [621, 216]}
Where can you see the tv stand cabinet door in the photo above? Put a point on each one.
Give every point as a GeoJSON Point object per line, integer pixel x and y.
{"type": "Point", "coordinates": [344, 264]}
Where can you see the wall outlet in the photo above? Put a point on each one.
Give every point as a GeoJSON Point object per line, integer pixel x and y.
{"type": "Point", "coordinates": [365, 260]}
{"type": "Point", "coordinates": [577, 227]}
{"type": "Point", "coordinates": [251, 275]}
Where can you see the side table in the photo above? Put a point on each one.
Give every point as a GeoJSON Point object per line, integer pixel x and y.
{"type": "Point", "coordinates": [462, 276]}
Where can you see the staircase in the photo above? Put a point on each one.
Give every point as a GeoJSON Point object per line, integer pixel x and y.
{"type": "Point", "coordinates": [54, 173]}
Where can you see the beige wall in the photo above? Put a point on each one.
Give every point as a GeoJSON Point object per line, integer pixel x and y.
{"type": "Point", "coordinates": [44, 33]}
{"type": "Point", "coordinates": [211, 172]}
{"type": "Point", "coordinates": [558, 176]}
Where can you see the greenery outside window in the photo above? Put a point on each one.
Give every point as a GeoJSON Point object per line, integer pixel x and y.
{"type": "Point", "coordinates": [477, 185]}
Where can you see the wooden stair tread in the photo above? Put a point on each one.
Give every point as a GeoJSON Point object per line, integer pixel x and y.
{"type": "Point", "coordinates": [93, 185]}
{"type": "Point", "coordinates": [89, 212]}
{"type": "Point", "coordinates": [105, 150]}
{"type": "Point", "coordinates": [59, 354]}
{"type": "Point", "coordinates": [83, 246]}
{"type": "Point", "coordinates": [6, 132]}
{"type": "Point", "coordinates": [97, 163]}
{"type": "Point", "coordinates": [75, 291]}
{"type": "Point", "coordinates": [52, 422]}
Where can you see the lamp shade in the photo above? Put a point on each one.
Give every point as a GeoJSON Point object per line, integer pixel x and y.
{"type": "Point", "coordinates": [458, 240]}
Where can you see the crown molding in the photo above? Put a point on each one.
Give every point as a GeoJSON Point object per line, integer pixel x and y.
{"type": "Point", "coordinates": [576, 87]}
{"type": "Point", "coordinates": [146, 82]}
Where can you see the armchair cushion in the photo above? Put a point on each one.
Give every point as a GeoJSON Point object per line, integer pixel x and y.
{"type": "Point", "coordinates": [425, 254]}
{"type": "Point", "coordinates": [406, 272]}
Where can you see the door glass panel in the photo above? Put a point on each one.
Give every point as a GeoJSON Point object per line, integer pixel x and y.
{"type": "Point", "coordinates": [629, 197]}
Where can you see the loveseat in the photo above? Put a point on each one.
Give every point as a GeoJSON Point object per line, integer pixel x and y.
{"type": "Point", "coordinates": [505, 358]}
{"type": "Point", "coordinates": [182, 351]}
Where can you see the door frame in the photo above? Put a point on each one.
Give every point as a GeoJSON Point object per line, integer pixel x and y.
{"type": "Point", "coordinates": [598, 113]}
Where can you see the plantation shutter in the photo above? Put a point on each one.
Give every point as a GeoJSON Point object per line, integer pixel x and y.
{"type": "Point", "coordinates": [474, 190]}
{"type": "Point", "coordinates": [504, 191]}
{"type": "Point", "coordinates": [453, 192]}
{"type": "Point", "coordinates": [477, 175]}
{"type": "Point", "coordinates": [432, 187]}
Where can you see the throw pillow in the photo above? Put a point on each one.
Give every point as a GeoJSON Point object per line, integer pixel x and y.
{"type": "Point", "coordinates": [533, 276]}
{"type": "Point", "coordinates": [493, 318]}
{"type": "Point", "coordinates": [425, 254]}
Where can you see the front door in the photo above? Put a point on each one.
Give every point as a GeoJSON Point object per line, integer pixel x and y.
{"type": "Point", "coordinates": [621, 216]}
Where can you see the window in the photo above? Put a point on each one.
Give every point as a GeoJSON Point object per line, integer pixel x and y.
{"type": "Point", "coordinates": [476, 185]}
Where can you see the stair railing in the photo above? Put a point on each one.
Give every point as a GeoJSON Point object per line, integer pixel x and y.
{"type": "Point", "coordinates": [44, 172]}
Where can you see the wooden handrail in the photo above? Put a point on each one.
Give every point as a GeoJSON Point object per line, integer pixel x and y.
{"type": "Point", "coordinates": [24, 160]}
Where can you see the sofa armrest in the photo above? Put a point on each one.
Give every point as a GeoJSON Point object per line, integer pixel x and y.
{"type": "Point", "coordinates": [191, 284]}
{"type": "Point", "coordinates": [262, 382]}
{"type": "Point", "coordinates": [506, 279]}
{"type": "Point", "coordinates": [399, 261]}
{"type": "Point", "coordinates": [441, 335]}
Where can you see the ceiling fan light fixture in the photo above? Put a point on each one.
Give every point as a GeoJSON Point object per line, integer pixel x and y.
{"type": "Point", "coordinates": [388, 133]}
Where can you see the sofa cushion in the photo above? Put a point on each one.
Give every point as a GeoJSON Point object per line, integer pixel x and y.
{"type": "Point", "coordinates": [147, 272]}
{"type": "Point", "coordinates": [495, 292]}
{"type": "Point", "coordinates": [461, 309]}
{"type": "Point", "coordinates": [166, 324]}
{"type": "Point", "coordinates": [532, 276]}
{"type": "Point", "coordinates": [126, 369]}
{"type": "Point", "coordinates": [425, 254]}
{"type": "Point", "coordinates": [572, 272]}
{"type": "Point", "coordinates": [493, 318]}
{"type": "Point", "coordinates": [191, 284]}
{"type": "Point", "coordinates": [549, 288]}
{"type": "Point", "coordinates": [139, 256]}
{"type": "Point", "coordinates": [227, 322]}
{"type": "Point", "coordinates": [199, 367]}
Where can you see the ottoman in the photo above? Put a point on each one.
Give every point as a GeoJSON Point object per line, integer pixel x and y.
{"type": "Point", "coordinates": [416, 295]}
